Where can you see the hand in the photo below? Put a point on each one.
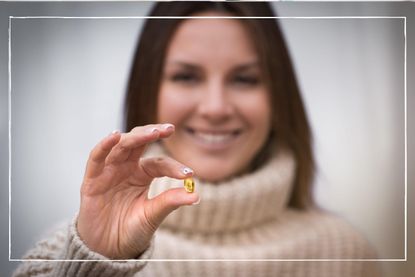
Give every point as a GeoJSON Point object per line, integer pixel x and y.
{"type": "Point", "coordinates": [116, 218]}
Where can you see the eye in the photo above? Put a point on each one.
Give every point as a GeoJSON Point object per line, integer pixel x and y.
{"type": "Point", "coordinates": [246, 80]}
{"type": "Point", "coordinates": [184, 77]}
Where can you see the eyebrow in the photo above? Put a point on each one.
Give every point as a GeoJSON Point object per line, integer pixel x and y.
{"type": "Point", "coordinates": [191, 66]}
{"type": "Point", "coordinates": [247, 66]}
{"type": "Point", "coordinates": [184, 64]}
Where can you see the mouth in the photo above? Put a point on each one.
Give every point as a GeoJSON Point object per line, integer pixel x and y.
{"type": "Point", "coordinates": [214, 139]}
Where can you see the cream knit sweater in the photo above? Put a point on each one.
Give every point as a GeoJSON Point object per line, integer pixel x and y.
{"type": "Point", "coordinates": [238, 225]}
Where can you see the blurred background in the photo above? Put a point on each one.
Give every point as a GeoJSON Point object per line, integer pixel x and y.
{"type": "Point", "coordinates": [68, 78]}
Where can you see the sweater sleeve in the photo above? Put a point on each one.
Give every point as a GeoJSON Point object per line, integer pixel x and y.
{"type": "Point", "coordinates": [65, 254]}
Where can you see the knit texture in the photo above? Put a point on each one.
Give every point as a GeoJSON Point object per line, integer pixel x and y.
{"type": "Point", "coordinates": [242, 222]}
{"type": "Point", "coordinates": [231, 206]}
{"type": "Point", "coordinates": [65, 244]}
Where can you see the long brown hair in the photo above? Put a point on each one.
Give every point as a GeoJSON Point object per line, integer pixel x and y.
{"type": "Point", "coordinates": [290, 127]}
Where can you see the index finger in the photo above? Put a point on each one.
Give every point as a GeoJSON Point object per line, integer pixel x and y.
{"type": "Point", "coordinates": [96, 160]}
{"type": "Point", "coordinates": [132, 144]}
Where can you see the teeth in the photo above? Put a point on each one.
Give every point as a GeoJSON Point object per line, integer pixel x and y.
{"type": "Point", "coordinates": [213, 138]}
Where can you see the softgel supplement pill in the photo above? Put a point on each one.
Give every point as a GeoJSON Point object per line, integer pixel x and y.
{"type": "Point", "coordinates": [189, 185]}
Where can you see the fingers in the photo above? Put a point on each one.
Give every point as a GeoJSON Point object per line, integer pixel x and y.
{"type": "Point", "coordinates": [132, 144]}
{"type": "Point", "coordinates": [164, 166]}
{"type": "Point", "coordinates": [166, 202]}
{"type": "Point", "coordinates": [164, 130]}
{"type": "Point", "coordinates": [118, 147]}
{"type": "Point", "coordinates": [99, 153]}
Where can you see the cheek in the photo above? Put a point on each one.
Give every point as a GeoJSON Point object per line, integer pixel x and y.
{"type": "Point", "coordinates": [257, 112]}
{"type": "Point", "coordinates": [171, 107]}
{"type": "Point", "coordinates": [261, 125]}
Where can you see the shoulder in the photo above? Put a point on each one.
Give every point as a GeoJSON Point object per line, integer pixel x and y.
{"type": "Point", "coordinates": [52, 241]}
{"type": "Point", "coordinates": [37, 260]}
{"type": "Point", "coordinates": [327, 235]}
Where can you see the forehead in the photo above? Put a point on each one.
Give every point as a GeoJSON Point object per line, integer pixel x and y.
{"type": "Point", "coordinates": [208, 38]}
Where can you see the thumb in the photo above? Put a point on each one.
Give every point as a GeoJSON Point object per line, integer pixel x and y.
{"type": "Point", "coordinates": [166, 202]}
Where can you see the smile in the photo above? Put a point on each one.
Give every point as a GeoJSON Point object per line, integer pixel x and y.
{"type": "Point", "coordinates": [214, 140]}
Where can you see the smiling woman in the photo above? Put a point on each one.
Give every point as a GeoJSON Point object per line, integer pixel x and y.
{"type": "Point", "coordinates": [214, 93]}
{"type": "Point", "coordinates": [241, 57]}
{"type": "Point", "coordinates": [214, 99]}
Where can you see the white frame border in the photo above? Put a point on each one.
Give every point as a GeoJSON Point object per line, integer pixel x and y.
{"type": "Point", "coordinates": [214, 17]}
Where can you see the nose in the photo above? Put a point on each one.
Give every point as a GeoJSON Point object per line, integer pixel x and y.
{"type": "Point", "coordinates": [215, 103]}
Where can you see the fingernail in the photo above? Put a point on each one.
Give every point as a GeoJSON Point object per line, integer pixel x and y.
{"type": "Point", "coordinates": [168, 126]}
{"type": "Point", "coordinates": [153, 130]}
{"type": "Point", "coordinates": [114, 132]}
{"type": "Point", "coordinates": [197, 202]}
{"type": "Point", "coordinates": [187, 170]}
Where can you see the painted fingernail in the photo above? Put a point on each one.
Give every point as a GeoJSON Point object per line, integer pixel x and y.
{"type": "Point", "coordinates": [187, 170]}
{"type": "Point", "coordinates": [168, 126]}
{"type": "Point", "coordinates": [153, 130]}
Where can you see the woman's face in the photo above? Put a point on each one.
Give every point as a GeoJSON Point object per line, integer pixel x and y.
{"type": "Point", "coordinates": [213, 91]}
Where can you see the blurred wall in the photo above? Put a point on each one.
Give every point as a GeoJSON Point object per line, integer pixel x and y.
{"type": "Point", "coordinates": [351, 72]}
{"type": "Point", "coordinates": [68, 81]}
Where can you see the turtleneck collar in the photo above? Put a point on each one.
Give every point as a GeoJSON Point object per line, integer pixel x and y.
{"type": "Point", "coordinates": [239, 203]}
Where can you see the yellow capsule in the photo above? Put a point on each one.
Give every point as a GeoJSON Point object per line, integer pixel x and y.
{"type": "Point", "coordinates": [189, 185]}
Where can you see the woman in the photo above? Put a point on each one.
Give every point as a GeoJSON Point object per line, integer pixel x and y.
{"type": "Point", "coordinates": [215, 99]}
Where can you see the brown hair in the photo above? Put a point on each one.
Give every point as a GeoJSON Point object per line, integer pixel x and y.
{"type": "Point", "coordinates": [290, 128]}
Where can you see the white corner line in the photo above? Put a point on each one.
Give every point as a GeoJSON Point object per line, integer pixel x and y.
{"type": "Point", "coordinates": [406, 141]}
{"type": "Point", "coordinates": [215, 17]}
{"type": "Point", "coordinates": [216, 260]}
{"type": "Point", "coordinates": [10, 128]}
{"type": "Point", "coordinates": [204, 17]}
